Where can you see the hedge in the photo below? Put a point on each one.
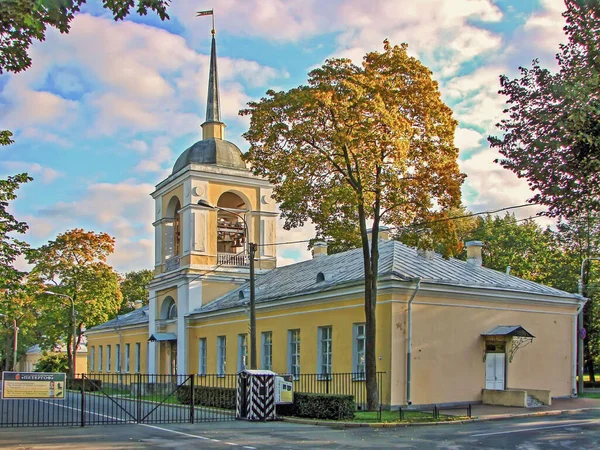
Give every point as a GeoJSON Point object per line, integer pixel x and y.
{"type": "Point", "coordinates": [320, 406]}
{"type": "Point", "coordinates": [90, 385]}
{"type": "Point", "coordinates": [216, 397]}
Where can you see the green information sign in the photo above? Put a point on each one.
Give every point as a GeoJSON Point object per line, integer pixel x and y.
{"type": "Point", "coordinates": [42, 385]}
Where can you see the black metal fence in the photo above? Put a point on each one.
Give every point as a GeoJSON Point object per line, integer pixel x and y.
{"type": "Point", "coordinates": [116, 398]}
{"type": "Point", "coordinates": [349, 383]}
{"type": "Point", "coordinates": [121, 398]}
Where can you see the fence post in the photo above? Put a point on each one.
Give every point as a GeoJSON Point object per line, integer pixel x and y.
{"type": "Point", "coordinates": [327, 378]}
{"type": "Point", "coordinates": [469, 410]}
{"type": "Point", "coordinates": [192, 398]}
{"type": "Point", "coordinates": [83, 400]}
{"type": "Point", "coordinates": [139, 397]}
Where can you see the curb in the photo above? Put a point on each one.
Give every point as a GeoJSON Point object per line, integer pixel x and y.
{"type": "Point", "coordinates": [343, 425]}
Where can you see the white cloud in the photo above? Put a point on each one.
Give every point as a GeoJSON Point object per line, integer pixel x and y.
{"type": "Point", "coordinates": [465, 138]}
{"type": "Point", "coordinates": [35, 170]}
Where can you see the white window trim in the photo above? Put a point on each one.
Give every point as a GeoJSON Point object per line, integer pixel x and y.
{"type": "Point", "coordinates": [108, 357]}
{"type": "Point", "coordinates": [127, 357]}
{"type": "Point", "coordinates": [242, 344]}
{"type": "Point", "coordinates": [118, 358]}
{"type": "Point", "coordinates": [290, 353]}
{"type": "Point", "coordinates": [322, 374]}
{"type": "Point", "coordinates": [356, 374]}
{"type": "Point", "coordinates": [263, 346]}
{"type": "Point", "coordinates": [221, 355]}
{"type": "Point", "coordinates": [138, 357]}
{"type": "Point", "coordinates": [202, 356]}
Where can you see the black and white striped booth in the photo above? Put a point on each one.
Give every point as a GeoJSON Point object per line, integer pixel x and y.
{"type": "Point", "coordinates": [255, 398]}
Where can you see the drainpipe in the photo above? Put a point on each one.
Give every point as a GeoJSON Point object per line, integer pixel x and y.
{"type": "Point", "coordinates": [575, 341]}
{"type": "Point", "coordinates": [409, 341]}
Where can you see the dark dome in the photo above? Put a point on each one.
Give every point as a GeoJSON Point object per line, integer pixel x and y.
{"type": "Point", "coordinates": [211, 151]}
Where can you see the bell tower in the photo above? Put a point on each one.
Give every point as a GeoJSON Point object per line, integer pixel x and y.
{"type": "Point", "coordinates": [200, 251]}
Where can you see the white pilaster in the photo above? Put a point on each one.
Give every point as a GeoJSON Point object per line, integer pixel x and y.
{"type": "Point", "coordinates": [152, 310]}
{"type": "Point", "coordinates": [182, 337]}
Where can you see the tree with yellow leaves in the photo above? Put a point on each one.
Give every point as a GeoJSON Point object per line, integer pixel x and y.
{"type": "Point", "coordinates": [360, 145]}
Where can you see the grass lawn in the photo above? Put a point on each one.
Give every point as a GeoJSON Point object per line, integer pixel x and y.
{"type": "Point", "coordinates": [409, 416]}
{"type": "Point", "coordinates": [590, 395]}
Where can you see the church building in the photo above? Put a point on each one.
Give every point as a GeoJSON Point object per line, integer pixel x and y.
{"type": "Point", "coordinates": [447, 330]}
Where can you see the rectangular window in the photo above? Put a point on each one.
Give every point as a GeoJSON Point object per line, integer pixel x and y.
{"type": "Point", "coordinates": [242, 351]}
{"type": "Point", "coordinates": [100, 359]}
{"type": "Point", "coordinates": [108, 355]}
{"type": "Point", "coordinates": [324, 362]}
{"type": "Point", "coordinates": [294, 353]}
{"type": "Point", "coordinates": [358, 354]}
{"type": "Point", "coordinates": [202, 356]}
{"type": "Point", "coordinates": [92, 359]}
{"type": "Point", "coordinates": [127, 357]}
{"type": "Point", "coordinates": [266, 338]}
{"type": "Point", "coordinates": [118, 357]}
{"type": "Point", "coordinates": [137, 357]}
{"type": "Point", "coordinates": [221, 355]}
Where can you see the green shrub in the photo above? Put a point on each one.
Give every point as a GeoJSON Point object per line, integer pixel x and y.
{"type": "Point", "coordinates": [90, 385]}
{"type": "Point", "coordinates": [216, 397]}
{"type": "Point", "coordinates": [53, 362]}
{"type": "Point", "coordinates": [320, 406]}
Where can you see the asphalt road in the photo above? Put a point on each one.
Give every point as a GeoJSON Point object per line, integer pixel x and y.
{"type": "Point", "coordinates": [578, 431]}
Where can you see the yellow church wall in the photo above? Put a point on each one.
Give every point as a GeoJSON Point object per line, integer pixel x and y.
{"type": "Point", "coordinates": [129, 335]}
{"type": "Point", "coordinates": [215, 289]}
{"type": "Point", "coordinates": [448, 349]}
{"type": "Point", "coordinates": [166, 198]}
{"type": "Point", "coordinates": [340, 315]}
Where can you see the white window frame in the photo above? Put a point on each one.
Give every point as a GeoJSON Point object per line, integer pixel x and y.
{"type": "Point", "coordinates": [108, 357]}
{"type": "Point", "coordinates": [127, 357]}
{"type": "Point", "coordinates": [359, 348]}
{"type": "Point", "coordinates": [202, 356]}
{"type": "Point", "coordinates": [266, 339]}
{"type": "Point", "coordinates": [325, 352]}
{"type": "Point", "coordinates": [100, 358]}
{"type": "Point", "coordinates": [138, 359]}
{"type": "Point", "coordinates": [221, 355]}
{"type": "Point", "coordinates": [118, 357]}
{"type": "Point", "coordinates": [242, 362]}
{"type": "Point", "coordinates": [294, 337]}
{"type": "Point", "coordinates": [92, 359]}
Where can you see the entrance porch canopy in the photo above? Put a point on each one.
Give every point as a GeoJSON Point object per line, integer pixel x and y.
{"type": "Point", "coordinates": [162, 337]}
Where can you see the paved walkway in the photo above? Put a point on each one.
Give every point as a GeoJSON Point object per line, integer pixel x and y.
{"type": "Point", "coordinates": [558, 406]}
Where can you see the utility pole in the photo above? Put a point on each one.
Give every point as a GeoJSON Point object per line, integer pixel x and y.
{"type": "Point", "coordinates": [251, 252]}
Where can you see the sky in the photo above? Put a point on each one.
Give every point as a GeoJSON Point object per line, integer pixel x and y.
{"type": "Point", "coordinates": [103, 113]}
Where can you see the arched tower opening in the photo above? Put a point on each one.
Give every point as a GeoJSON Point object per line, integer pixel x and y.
{"type": "Point", "coordinates": [173, 228]}
{"type": "Point", "coordinates": [231, 231]}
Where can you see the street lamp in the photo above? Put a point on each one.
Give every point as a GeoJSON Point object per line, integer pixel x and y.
{"type": "Point", "coordinates": [74, 345]}
{"type": "Point", "coordinates": [251, 252]}
{"type": "Point", "coordinates": [16, 338]}
{"type": "Point", "coordinates": [580, 326]}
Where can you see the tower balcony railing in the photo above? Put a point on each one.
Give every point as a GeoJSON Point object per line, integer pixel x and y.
{"type": "Point", "coordinates": [233, 259]}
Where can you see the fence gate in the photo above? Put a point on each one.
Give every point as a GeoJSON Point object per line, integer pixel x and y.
{"type": "Point", "coordinates": [103, 399]}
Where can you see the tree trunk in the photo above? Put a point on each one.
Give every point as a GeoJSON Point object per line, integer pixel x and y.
{"type": "Point", "coordinates": [589, 359]}
{"type": "Point", "coordinates": [70, 354]}
{"type": "Point", "coordinates": [370, 251]}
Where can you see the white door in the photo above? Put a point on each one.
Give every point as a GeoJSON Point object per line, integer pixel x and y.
{"type": "Point", "coordinates": [494, 371]}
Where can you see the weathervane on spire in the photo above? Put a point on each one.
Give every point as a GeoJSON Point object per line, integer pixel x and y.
{"type": "Point", "coordinates": [208, 13]}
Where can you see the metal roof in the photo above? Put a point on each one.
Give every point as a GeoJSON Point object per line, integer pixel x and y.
{"type": "Point", "coordinates": [135, 317]}
{"type": "Point", "coordinates": [396, 259]}
{"type": "Point", "coordinates": [510, 330]}
{"type": "Point", "coordinates": [161, 337]}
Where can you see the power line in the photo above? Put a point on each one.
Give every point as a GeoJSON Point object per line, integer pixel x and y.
{"type": "Point", "coordinates": [421, 224]}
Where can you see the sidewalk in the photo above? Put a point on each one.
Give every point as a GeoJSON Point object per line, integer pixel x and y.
{"type": "Point", "coordinates": [559, 406]}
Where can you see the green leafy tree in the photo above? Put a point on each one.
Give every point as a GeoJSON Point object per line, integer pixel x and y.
{"type": "Point", "coordinates": [371, 143]}
{"type": "Point", "coordinates": [74, 264]}
{"type": "Point", "coordinates": [53, 362]}
{"type": "Point", "coordinates": [133, 288]}
{"type": "Point", "coordinates": [10, 247]}
{"type": "Point", "coordinates": [551, 136]}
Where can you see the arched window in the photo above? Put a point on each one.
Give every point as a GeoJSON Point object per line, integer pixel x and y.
{"type": "Point", "coordinates": [231, 232]}
{"type": "Point", "coordinates": [320, 277]}
{"type": "Point", "coordinates": [168, 310]}
{"type": "Point", "coordinates": [173, 229]}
